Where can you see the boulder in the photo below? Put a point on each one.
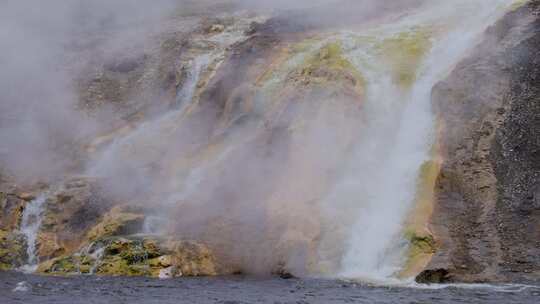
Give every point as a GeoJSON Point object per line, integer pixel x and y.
{"type": "Point", "coordinates": [71, 211]}
{"type": "Point", "coordinates": [329, 66]}
{"type": "Point", "coordinates": [434, 276]}
{"type": "Point", "coordinates": [117, 222]}
{"type": "Point", "coordinates": [48, 246]}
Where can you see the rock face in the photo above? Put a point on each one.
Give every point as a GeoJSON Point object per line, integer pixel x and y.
{"type": "Point", "coordinates": [85, 229]}
{"type": "Point", "coordinates": [117, 222]}
{"type": "Point", "coordinates": [136, 256]}
{"type": "Point", "coordinates": [12, 250]}
{"type": "Point", "coordinates": [83, 233]}
{"type": "Point", "coordinates": [487, 211]}
{"type": "Point", "coordinates": [12, 242]}
{"type": "Point", "coordinates": [272, 107]}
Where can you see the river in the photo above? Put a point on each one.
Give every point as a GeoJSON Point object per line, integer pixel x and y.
{"type": "Point", "coordinates": [24, 288]}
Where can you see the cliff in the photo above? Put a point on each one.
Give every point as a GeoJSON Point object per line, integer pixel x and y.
{"type": "Point", "coordinates": [487, 207]}
{"type": "Point", "coordinates": [231, 141]}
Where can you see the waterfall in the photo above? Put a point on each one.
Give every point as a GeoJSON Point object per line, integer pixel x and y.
{"type": "Point", "coordinates": [378, 189]}
{"type": "Point", "coordinates": [131, 155]}
{"type": "Point", "coordinates": [193, 74]}
{"type": "Point", "coordinates": [31, 222]}
{"type": "Point", "coordinates": [365, 211]}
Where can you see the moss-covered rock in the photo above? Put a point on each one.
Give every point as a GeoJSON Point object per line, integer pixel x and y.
{"type": "Point", "coordinates": [118, 266]}
{"type": "Point", "coordinates": [421, 243]}
{"type": "Point", "coordinates": [117, 222]}
{"type": "Point", "coordinates": [193, 259]}
{"type": "Point", "coordinates": [62, 265]}
{"type": "Point", "coordinates": [422, 246]}
{"type": "Point", "coordinates": [405, 52]}
{"type": "Point", "coordinates": [70, 212]}
{"type": "Point", "coordinates": [328, 65]}
{"type": "Point", "coordinates": [136, 256]}
{"type": "Point", "coordinates": [162, 261]}
{"type": "Point", "coordinates": [12, 250]}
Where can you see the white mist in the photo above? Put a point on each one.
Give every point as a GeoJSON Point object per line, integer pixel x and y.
{"type": "Point", "coordinates": [379, 186]}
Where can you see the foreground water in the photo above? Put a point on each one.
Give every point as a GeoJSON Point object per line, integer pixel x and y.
{"type": "Point", "coordinates": [24, 288]}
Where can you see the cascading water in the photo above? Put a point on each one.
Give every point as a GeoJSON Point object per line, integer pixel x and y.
{"type": "Point", "coordinates": [31, 222]}
{"type": "Point", "coordinates": [143, 143]}
{"type": "Point", "coordinates": [400, 61]}
{"type": "Point", "coordinates": [379, 186]}
{"type": "Point", "coordinates": [146, 144]}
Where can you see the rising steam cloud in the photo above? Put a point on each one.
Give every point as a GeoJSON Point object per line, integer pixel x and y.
{"type": "Point", "coordinates": [44, 45]}
{"type": "Point", "coordinates": [249, 156]}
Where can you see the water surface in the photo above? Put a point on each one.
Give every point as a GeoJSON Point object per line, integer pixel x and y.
{"type": "Point", "coordinates": [24, 288]}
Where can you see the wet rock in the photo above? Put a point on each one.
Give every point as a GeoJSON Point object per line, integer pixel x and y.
{"type": "Point", "coordinates": [405, 52]}
{"type": "Point", "coordinates": [216, 28]}
{"type": "Point", "coordinates": [286, 275]}
{"type": "Point", "coordinates": [62, 265]}
{"type": "Point", "coordinates": [484, 216]}
{"type": "Point", "coordinates": [70, 213]}
{"type": "Point", "coordinates": [328, 66]}
{"type": "Point", "coordinates": [434, 276]}
{"type": "Point", "coordinates": [421, 243]}
{"type": "Point", "coordinates": [48, 246]}
{"type": "Point", "coordinates": [169, 272]}
{"type": "Point", "coordinates": [162, 261]}
{"type": "Point", "coordinates": [193, 258]}
{"type": "Point", "coordinates": [11, 209]}
{"type": "Point", "coordinates": [136, 256]}
{"type": "Point", "coordinates": [117, 222]}
{"type": "Point", "coordinates": [12, 250]}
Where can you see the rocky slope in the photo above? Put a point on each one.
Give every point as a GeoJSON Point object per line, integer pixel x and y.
{"type": "Point", "coordinates": [251, 95]}
{"type": "Point", "coordinates": [487, 212]}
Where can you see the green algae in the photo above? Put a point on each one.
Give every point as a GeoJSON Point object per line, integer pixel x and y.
{"type": "Point", "coordinates": [12, 250]}
{"type": "Point", "coordinates": [65, 265]}
{"type": "Point", "coordinates": [405, 52]}
{"type": "Point", "coordinates": [427, 178]}
{"type": "Point", "coordinates": [517, 4]}
{"type": "Point", "coordinates": [420, 245]}
{"type": "Point", "coordinates": [330, 56]}
{"type": "Point", "coordinates": [330, 64]}
{"type": "Point", "coordinates": [119, 266]}
{"type": "Point", "coordinates": [121, 257]}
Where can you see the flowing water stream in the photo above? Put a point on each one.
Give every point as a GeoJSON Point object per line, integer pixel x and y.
{"type": "Point", "coordinates": [31, 222]}
{"type": "Point", "coordinates": [401, 61]}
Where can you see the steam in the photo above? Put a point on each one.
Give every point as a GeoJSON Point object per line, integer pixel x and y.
{"type": "Point", "coordinates": [269, 171]}
{"type": "Point", "coordinates": [42, 47]}
{"type": "Point", "coordinates": [380, 187]}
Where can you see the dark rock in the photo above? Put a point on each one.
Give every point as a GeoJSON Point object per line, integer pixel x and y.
{"type": "Point", "coordinates": [433, 276]}
{"type": "Point", "coordinates": [286, 275]}
{"type": "Point", "coordinates": [486, 212]}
